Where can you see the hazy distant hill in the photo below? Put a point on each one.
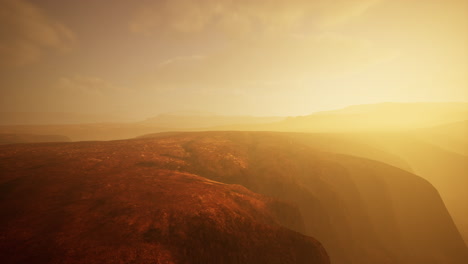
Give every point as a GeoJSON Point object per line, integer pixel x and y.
{"type": "Point", "coordinates": [81, 131]}
{"type": "Point", "coordinates": [86, 132]}
{"type": "Point", "coordinates": [457, 130]}
{"type": "Point", "coordinates": [30, 138]}
{"type": "Point", "coordinates": [380, 117]}
{"type": "Point", "coordinates": [384, 117]}
{"type": "Point", "coordinates": [452, 136]}
{"type": "Point", "coordinates": [197, 121]}
{"type": "Point", "coordinates": [54, 118]}
{"type": "Point", "coordinates": [364, 118]}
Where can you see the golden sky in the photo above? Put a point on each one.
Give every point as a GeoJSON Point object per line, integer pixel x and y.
{"type": "Point", "coordinates": [268, 57]}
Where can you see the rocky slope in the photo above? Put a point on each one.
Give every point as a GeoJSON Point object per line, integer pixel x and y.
{"type": "Point", "coordinates": [109, 203]}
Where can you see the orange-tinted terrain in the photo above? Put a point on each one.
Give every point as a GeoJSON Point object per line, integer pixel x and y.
{"type": "Point", "coordinates": [114, 203]}
{"type": "Point", "coordinates": [216, 197]}
{"type": "Point", "coordinates": [234, 132]}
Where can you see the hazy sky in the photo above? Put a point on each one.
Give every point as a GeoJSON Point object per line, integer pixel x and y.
{"type": "Point", "coordinates": [267, 57]}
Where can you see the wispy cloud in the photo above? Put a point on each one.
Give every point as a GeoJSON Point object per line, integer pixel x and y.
{"type": "Point", "coordinates": [180, 59]}
{"type": "Point", "coordinates": [27, 34]}
{"type": "Point", "coordinates": [271, 60]}
{"type": "Point", "coordinates": [88, 85]}
{"type": "Point", "coordinates": [243, 16]}
{"type": "Point", "coordinates": [267, 41]}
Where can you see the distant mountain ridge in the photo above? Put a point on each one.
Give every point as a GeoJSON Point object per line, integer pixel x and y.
{"type": "Point", "coordinates": [206, 120]}
{"type": "Point", "coordinates": [29, 138]}
{"type": "Point", "coordinates": [383, 117]}
{"type": "Point", "coordinates": [56, 118]}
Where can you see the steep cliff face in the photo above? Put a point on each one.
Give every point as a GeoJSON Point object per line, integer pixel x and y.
{"type": "Point", "coordinates": [445, 169]}
{"type": "Point", "coordinates": [417, 220]}
{"type": "Point", "coordinates": [429, 153]}
{"type": "Point", "coordinates": [81, 203]}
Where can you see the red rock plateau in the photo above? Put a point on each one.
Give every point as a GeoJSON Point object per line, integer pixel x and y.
{"type": "Point", "coordinates": [117, 203]}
